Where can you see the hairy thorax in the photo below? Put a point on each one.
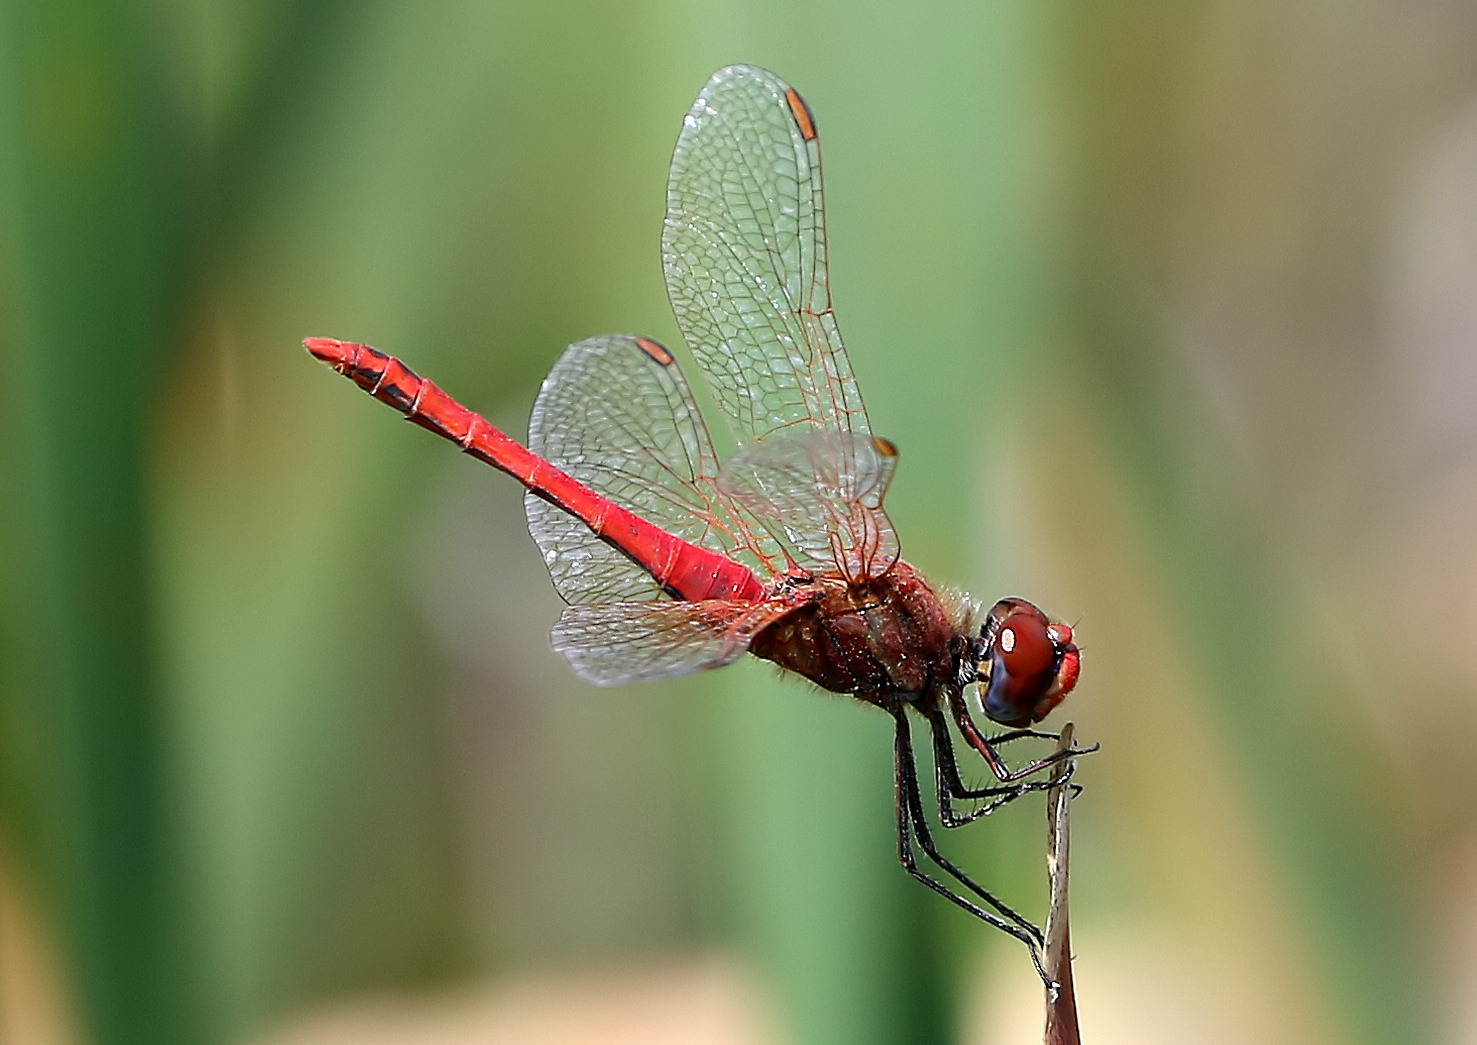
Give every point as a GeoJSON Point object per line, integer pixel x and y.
{"type": "Point", "coordinates": [891, 635]}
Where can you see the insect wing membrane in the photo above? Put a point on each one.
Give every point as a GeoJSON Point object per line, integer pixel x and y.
{"type": "Point", "coordinates": [613, 644]}
{"type": "Point", "coordinates": [820, 493]}
{"type": "Point", "coordinates": [616, 414]}
{"type": "Point", "coordinates": [744, 251]}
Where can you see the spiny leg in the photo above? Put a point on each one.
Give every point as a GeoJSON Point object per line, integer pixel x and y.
{"type": "Point", "coordinates": [986, 746]}
{"type": "Point", "coordinates": [911, 824]}
{"type": "Point", "coordinates": [951, 785]}
{"type": "Point", "coordinates": [1022, 734]}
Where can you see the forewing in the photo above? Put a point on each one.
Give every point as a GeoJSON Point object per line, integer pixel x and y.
{"type": "Point", "coordinates": [616, 643]}
{"type": "Point", "coordinates": [744, 250]}
{"type": "Point", "coordinates": [820, 494]}
{"type": "Point", "coordinates": [616, 414]}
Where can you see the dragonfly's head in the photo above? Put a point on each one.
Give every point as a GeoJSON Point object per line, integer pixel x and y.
{"type": "Point", "coordinates": [1028, 663]}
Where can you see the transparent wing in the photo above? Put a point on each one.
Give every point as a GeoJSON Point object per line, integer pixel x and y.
{"type": "Point", "coordinates": [819, 492]}
{"type": "Point", "coordinates": [616, 414]}
{"type": "Point", "coordinates": [613, 644]}
{"type": "Point", "coordinates": [744, 249]}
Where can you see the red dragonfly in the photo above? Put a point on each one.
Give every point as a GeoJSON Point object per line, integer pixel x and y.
{"type": "Point", "coordinates": [673, 564]}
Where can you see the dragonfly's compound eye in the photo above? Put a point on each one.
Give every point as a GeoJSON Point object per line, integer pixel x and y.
{"type": "Point", "coordinates": [1031, 664]}
{"type": "Point", "coordinates": [1023, 645]}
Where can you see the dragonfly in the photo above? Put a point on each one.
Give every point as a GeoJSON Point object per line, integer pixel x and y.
{"type": "Point", "coordinates": [672, 563]}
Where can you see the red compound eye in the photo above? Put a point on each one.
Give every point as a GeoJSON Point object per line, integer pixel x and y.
{"type": "Point", "coordinates": [1024, 647]}
{"type": "Point", "coordinates": [1031, 664]}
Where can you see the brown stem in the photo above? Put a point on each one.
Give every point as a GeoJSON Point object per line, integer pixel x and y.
{"type": "Point", "coordinates": [1061, 1004]}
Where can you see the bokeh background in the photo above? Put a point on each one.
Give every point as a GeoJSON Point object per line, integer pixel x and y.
{"type": "Point", "coordinates": [1171, 308]}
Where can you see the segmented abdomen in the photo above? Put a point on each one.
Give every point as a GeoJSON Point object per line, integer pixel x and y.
{"type": "Point", "coordinates": [685, 570]}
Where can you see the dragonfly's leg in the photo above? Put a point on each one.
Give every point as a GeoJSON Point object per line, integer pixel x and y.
{"type": "Point", "coordinates": [986, 746]}
{"type": "Point", "coordinates": [911, 826]}
{"type": "Point", "coordinates": [951, 786]}
{"type": "Point", "coordinates": [1021, 734]}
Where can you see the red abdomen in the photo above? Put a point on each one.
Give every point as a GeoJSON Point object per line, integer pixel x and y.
{"type": "Point", "coordinates": [684, 569]}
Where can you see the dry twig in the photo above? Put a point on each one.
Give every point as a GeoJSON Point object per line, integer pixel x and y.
{"type": "Point", "coordinates": [1061, 1003]}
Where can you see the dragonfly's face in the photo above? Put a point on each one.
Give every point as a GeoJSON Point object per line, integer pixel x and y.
{"type": "Point", "coordinates": [1029, 663]}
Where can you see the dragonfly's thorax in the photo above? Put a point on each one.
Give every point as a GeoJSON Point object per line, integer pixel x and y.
{"type": "Point", "coordinates": [888, 636]}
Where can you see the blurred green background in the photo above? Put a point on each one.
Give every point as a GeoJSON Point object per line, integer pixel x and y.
{"type": "Point", "coordinates": [1171, 308]}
